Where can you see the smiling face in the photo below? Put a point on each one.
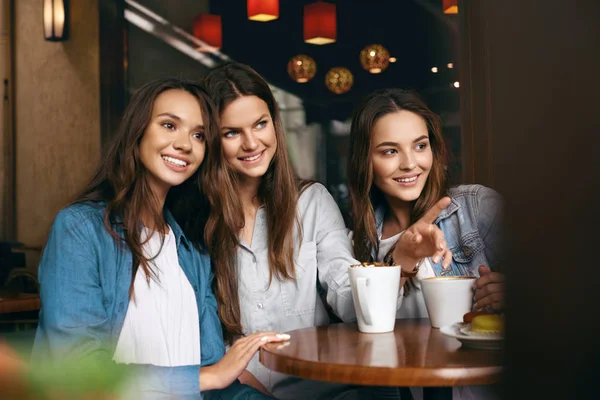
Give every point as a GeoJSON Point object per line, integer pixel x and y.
{"type": "Point", "coordinates": [401, 155]}
{"type": "Point", "coordinates": [248, 137]}
{"type": "Point", "coordinates": [173, 144]}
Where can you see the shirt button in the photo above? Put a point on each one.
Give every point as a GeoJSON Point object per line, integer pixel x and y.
{"type": "Point", "coordinates": [260, 306]}
{"type": "Point", "coordinates": [467, 251]}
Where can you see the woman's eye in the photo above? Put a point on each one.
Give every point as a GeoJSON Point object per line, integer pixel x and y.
{"type": "Point", "coordinates": [199, 136]}
{"type": "Point", "coordinates": [230, 133]}
{"type": "Point", "coordinates": [421, 146]}
{"type": "Point", "coordinates": [388, 152]}
{"type": "Point", "coordinates": [261, 124]}
{"type": "Point", "coordinates": [168, 125]}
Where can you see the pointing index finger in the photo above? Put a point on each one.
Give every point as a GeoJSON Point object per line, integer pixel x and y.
{"type": "Point", "coordinates": [431, 215]}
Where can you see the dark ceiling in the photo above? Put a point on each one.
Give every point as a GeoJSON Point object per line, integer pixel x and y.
{"type": "Point", "coordinates": [416, 32]}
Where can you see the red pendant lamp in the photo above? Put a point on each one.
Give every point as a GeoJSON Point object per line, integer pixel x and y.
{"type": "Point", "coordinates": [320, 23]}
{"type": "Point", "coordinates": [263, 10]}
{"type": "Point", "coordinates": [450, 6]}
{"type": "Point", "coordinates": [208, 28]}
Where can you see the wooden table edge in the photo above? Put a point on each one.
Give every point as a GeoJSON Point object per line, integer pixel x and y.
{"type": "Point", "coordinates": [363, 375]}
{"type": "Point", "coordinates": [19, 304]}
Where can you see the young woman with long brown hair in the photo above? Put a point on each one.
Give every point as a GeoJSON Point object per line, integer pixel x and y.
{"type": "Point", "coordinates": [273, 238]}
{"type": "Point", "coordinates": [396, 171]}
{"type": "Point", "coordinates": [121, 281]}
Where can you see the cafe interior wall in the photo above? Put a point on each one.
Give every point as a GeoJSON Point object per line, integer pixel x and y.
{"type": "Point", "coordinates": [5, 112]}
{"type": "Point", "coordinates": [57, 114]}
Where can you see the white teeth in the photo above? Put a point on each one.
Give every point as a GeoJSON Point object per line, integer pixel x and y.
{"type": "Point", "coordinates": [252, 158]}
{"type": "Point", "coordinates": [174, 161]}
{"type": "Point", "coordinates": [406, 180]}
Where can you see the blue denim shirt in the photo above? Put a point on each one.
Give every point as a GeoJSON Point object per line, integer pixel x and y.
{"type": "Point", "coordinates": [84, 287]}
{"type": "Point", "coordinates": [472, 226]}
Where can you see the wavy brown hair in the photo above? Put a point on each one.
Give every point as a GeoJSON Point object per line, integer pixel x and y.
{"type": "Point", "coordinates": [278, 192]}
{"type": "Point", "coordinates": [121, 181]}
{"type": "Point", "coordinates": [366, 197]}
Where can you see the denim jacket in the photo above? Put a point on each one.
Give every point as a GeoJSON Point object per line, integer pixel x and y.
{"type": "Point", "coordinates": [472, 226]}
{"type": "Point", "coordinates": [84, 287]}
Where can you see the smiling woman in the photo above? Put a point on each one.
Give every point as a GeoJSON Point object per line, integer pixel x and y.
{"type": "Point", "coordinates": [396, 173]}
{"type": "Point", "coordinates": [281, 248]}
{"type": "Point", "coordinates": [120, 281]}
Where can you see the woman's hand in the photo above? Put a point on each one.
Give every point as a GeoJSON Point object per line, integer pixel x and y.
{"type": "Point", "coordinates": [423, 239]}
{"type": "Point", "coordinates": [235, 361]}
{"type": "Point", "coordinates": [489, 289]}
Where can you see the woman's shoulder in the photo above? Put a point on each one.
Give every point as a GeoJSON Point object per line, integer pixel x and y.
{"type": "Point", "coordinates": [481, 202]}
{"type": "Point", "coordinates": [80, 214]}
{"type": "Point", "coordinates": [313, 187]}
{"type": "Point", "coordinates": [313, 193]}
{"type": "Point", "coordinates": [475, 192]}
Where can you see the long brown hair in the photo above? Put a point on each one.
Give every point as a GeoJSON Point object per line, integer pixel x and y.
{"type": "Point", "coordinates": [121, 180]}
{"type": "Point", "coordinates": [364, 196]}
{"type": "Point", "coordinates": [278, 192]}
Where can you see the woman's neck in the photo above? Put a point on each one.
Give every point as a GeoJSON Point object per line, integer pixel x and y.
{"type": "Point", "coordinates": [248, 191]}
{"type": "Point", "coordinates": [397, 217]}
{"type": "Point", "coordinates": [147, 217]}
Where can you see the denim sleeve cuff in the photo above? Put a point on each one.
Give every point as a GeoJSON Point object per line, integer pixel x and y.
{"type": "Point", "coordinates": [174, 381]}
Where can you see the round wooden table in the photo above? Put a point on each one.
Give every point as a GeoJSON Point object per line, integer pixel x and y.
{"type": "Point", "coordinates": [413, 355]}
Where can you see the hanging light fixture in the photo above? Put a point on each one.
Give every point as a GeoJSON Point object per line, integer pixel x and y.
{"type": "Point", "coordinates": [207, 27]}
{"type": "Point", "coordinates": [302, 68]}
{"type": "Point", "coordinates": [320, 23]}
{"type": "Point", "coordinates": [339, 80]}
{"type": "Point", "coordinates": [375, 58]}
{"type": "Point", "coordinates": [263, 10]}
{"type": "Point", "coordinates": [450, 6]}
{"type": "Point", "coordinates": [56, 20]}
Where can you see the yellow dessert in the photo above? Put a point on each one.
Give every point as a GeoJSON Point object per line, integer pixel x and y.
{"type": "Point", "coordinates": [488, 324]}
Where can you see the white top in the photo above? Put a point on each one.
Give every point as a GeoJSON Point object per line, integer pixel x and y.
{"type": "Point", "coordinates": [412, 305]}
{"type": "Point", "coordinates": [161, 325]}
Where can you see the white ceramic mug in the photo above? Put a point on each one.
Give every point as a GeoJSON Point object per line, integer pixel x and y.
{"type": "Point", "coordinates": [375, 294]}
{"type": "Point", "coordinates": [447, 298]}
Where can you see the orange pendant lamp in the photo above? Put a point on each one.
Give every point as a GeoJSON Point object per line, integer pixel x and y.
{"type": "Point", "coordinates": [320, 25]}
{"type": "Point", "coordinates": [339, 80]}
{"type": "Point", "coordinates": [263, 10]}
{"type": "Point", "coordinates": [450, 6]}
{"type": "Point", "coordinates": [208, 28]}
{"type": "Point", "coordinates": [375, 58]}
{"type": "Point", "coordinates": [302, 68]}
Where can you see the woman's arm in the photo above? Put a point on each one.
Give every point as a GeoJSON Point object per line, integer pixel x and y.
{"type": "Point", "coordinates": [248, 379]}
{"type": "Point", "coordinates": [490, 214]}
{"type": "Point", "coordinates": [334, 253]}
{"type": "Point", "coordinates": [490, 287]}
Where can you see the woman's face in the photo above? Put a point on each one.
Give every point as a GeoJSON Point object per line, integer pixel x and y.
{"type": "Point", "coordinates": [173, 144]}
{"type": "Point", "coordinates": [401, 155]}
{"type": "Point", "coordinates": [248, 137]}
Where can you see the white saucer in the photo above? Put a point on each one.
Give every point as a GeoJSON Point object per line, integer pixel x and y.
{"type": "Point", "coordinates": [475, 342]}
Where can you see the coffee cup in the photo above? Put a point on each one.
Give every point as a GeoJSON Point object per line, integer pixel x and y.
{"type": "Point", "coordinates": [375, 293]}
{"type": "Point", "coordinates": [447, 298]}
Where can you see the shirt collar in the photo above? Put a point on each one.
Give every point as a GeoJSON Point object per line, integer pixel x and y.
{"type": "Point", "coordinates": [177, 231]}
